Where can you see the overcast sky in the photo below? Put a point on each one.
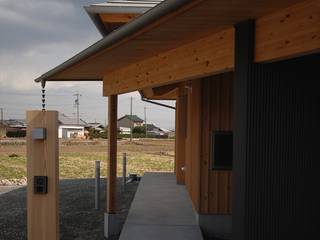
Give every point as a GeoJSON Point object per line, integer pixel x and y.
{"type": "Point", "coordinates": [37, 35]}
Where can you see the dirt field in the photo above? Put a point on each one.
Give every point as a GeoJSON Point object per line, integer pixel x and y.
{"type": "Point", "coordinates": [77, 158]}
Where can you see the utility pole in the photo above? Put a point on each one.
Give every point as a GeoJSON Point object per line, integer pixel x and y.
{"type": "Point", "coordinates": [131, 123]}
{"type": "Point", "coordinates": [1, 109]}
{"type": "Point", "coordinates": [145, 121]}
{"type": "Point", "coordinates": [77, 105]}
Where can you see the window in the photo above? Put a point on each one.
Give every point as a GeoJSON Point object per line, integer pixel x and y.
{"type": "Point", "coordinates": [221, 150]}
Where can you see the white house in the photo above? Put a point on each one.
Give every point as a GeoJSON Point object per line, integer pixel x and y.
{"type": "Point", "coordinates": [69, 127]}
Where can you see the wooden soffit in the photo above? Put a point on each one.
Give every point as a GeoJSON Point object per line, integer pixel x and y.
{"type": "Point", "coordinates": [286, 33]}
{"type": "Point", "coordinates": [201, 34]}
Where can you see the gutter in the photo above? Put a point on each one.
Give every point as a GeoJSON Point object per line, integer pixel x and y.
{"type": "Point", "coordinates": [139, 23]}
{"type": "Point", "coordinates": [156, 103]}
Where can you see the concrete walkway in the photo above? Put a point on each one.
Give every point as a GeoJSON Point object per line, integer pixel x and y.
{"type": "Point", "coordinates": [161, 209]}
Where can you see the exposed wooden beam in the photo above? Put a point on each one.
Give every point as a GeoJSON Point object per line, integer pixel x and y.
{"type": "Point", "coordinates": [200, 58]}
{"type": "Point", "coordinates": [288, 32]}
{"type": "Point", "coordinates": [117, 18]}
{"type": "Point", "coordinates": [112, 153]}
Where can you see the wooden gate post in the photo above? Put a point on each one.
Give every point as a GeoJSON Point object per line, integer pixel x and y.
{"type": "Point", "coordinates": [43, 175]}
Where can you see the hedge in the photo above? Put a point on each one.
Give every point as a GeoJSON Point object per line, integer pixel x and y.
{"type": "Point", "coordinates": [16, 134]}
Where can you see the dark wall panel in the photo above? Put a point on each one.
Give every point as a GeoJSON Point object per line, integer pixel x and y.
{"type": "Point", "coordinates": [277, 109]}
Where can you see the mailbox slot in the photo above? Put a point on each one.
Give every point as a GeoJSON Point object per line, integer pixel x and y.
{"type": "Point", "coordinates": [40, 184]}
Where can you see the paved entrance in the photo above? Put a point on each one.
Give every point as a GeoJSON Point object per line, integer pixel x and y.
{"type": "Point", "coordinates": [161, 209]}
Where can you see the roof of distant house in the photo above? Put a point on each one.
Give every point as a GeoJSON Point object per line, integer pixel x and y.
{"type": "Point", "coordinates": [65, 120]}
{"type": "Point", "coordinates": [95, 125]}
{"type": "Point", "coordinates": [15, 123]}
{"type": "Point", "coordinates": [151, 126]}
{"type": "Point", "coordinates": [134, 118]}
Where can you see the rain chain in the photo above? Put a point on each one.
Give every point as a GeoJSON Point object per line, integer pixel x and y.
{"type": "Point", "coordinates": [43, 85]}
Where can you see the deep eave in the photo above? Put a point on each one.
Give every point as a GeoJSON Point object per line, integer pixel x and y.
{"type": "Point", "coordinates": [179, 40]}
{"type": "Point", "coordinates": [112, 38]}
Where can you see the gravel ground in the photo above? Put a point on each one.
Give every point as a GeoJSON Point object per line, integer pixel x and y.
{"type": "Point", "coordinates": [78, 219]}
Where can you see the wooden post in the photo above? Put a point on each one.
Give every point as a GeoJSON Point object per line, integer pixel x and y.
{"type": "Point", "coordinates": [181, 125]}
{"type": "Point", "coordinates": [43, 160]}
{"type": "Point", "coordinates": [111, 221]}
{"type": "Point", "coordinates": [112, 154]}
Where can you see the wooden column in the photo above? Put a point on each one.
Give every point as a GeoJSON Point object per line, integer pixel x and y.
{"type": "Point", "coordinates": [181, 133]}
{"type": "Point", "coordinates": [43, 160]}
{"type": "Point", "coordinates": [112, 153]}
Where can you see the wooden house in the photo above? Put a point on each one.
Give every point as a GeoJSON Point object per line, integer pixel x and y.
{"type": "Point", "coordinates": [240, 70]}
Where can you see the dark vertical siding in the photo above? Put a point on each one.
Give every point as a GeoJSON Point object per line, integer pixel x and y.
{"type": "Point", "coordinates": [277, 109]}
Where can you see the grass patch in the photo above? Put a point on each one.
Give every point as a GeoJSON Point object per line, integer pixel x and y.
{"type": "Point", "coordinates": [80, 162]}
{"type": "Point", "coordinates": [12, 167]}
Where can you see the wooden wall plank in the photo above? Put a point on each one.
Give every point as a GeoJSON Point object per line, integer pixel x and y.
{"type": "Point", "coordinates": [193, 142]}
{"type": "Point", "coordinates": [218, 93]}
{"type": "Point", "coordinates": [204, 175]}
{"type": "Point", "coordinates": [181, 133]}
{"type": "Point", "coordinates": [43, 160]}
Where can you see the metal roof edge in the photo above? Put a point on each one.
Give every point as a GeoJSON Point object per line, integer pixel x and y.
{"type": "Point", "coordinates": [150, 16]}
{"type": "Point", "coordinates": [96, 21]}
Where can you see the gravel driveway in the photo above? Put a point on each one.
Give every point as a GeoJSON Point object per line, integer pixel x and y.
{"type": "Point", "coordinates": [78, 219]}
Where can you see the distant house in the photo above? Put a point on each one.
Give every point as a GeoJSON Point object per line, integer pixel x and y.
{"type": "Point", "coordinates": [124, 130]}
{"type": "Point", "coordinates": [97, 127]}
{"type": "Point", "coordinates": [15, 124]}
{"type": "Point", "coordinates": [13, 128]}
{"type": "Point", "coordinates": [70, 128]}
{"type": "Point", "coordinates": [153, 130]}
{"type": "Point", "coordinates": [124, 123]}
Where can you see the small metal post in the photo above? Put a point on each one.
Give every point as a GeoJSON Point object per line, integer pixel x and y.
{"type": "Point", "coordinates": [97, 185]}
{"type": "Point", "coordinates": [124, 169]}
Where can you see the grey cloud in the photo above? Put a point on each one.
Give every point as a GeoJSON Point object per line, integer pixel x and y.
{"type": "Point", "coordinates": [34, 22]}
{"type": "Point", "coordinates": [36, 35]}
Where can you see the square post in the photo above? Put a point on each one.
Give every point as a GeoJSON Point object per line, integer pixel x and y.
{"type": "Point", "coordinates": [111, 220]}
{"type": "Point", "coordinates": [43, 175]}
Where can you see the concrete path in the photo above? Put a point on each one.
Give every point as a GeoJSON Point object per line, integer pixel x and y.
{"type": "Point", "coordinates": [5, 189]}
{"type": "Point", "coordinates": [161, 209]}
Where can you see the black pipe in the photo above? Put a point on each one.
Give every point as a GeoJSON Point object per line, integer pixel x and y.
{"type": "Point", "coordinates": [156, 103]}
